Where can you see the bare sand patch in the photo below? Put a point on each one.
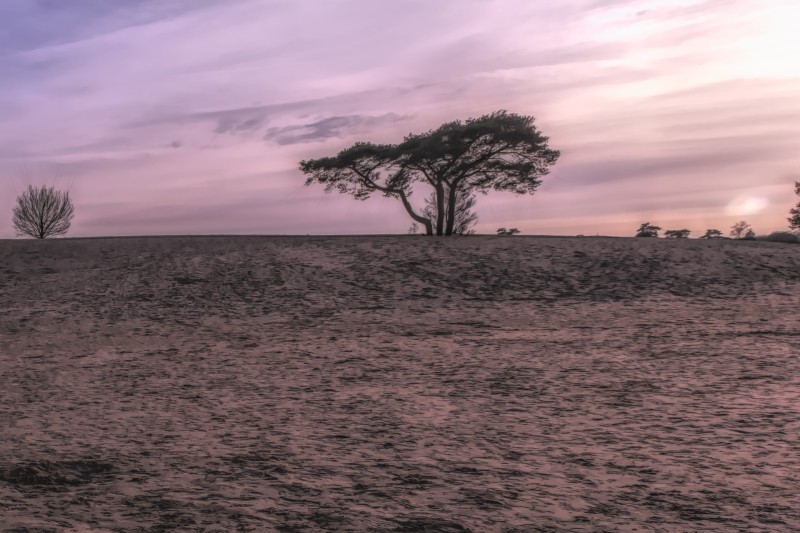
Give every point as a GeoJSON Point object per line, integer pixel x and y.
{"type": "Point", "coordinates": [399, 383]}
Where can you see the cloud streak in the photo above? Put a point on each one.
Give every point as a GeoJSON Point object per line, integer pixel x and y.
{"type": "Point", "coordinates": [329, 128]}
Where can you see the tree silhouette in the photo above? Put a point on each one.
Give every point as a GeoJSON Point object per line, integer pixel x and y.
{"type": "Point", "coordinates": [501, 151]}
{"type": "Point", "coordinates": [711, 234]}
{"type": "Point", "coordinates": [677, 233]}
{"type": "Point", "coordinates": [742, 230]}
{"type": "Point", "coordinates": [794, 220]}
{"type": "Point", "coordinates": [648, 230]}
{"type": "Point", "coordinates": [43, 212]}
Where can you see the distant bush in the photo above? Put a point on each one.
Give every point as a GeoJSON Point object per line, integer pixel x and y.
{"type": "Point", "coordinates": [677, 233]}
{"type": "Point", "coordinates": [782, 236]}
{"type": "Point", "coordinates": [648, 230]}
{"type": "Point", "coordinates": [712, 234]}
{"type": "Point", "coordinates": [504, 231]}
{"type": "Point", "coordinates": [43, 212]}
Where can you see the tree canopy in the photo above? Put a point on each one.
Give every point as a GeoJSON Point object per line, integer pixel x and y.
{"type": "Point", "coordinates": [794, 220]}
{"type": "Point", "coordinates": [501, 151]}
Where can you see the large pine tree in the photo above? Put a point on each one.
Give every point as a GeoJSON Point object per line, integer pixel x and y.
{"type": "Point", "coordinates": [500, 151]}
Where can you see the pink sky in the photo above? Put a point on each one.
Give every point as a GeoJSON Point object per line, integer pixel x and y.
{"type": "Point", "coordinates": [190, 117]}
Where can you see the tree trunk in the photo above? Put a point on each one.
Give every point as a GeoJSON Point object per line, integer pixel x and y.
{"type": "Point", "coordinates": [451, 210]}
{"type": "Point", "coordinates": [410, 210]}
{"type": "Point", "coordinates": [440, 215]}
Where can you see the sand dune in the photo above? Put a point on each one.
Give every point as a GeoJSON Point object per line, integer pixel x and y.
{"type": "Point", "coordinates": [399, 383]}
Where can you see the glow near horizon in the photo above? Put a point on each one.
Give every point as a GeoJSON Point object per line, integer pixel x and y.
{"type": "Point", "coordinates": [190, 117]}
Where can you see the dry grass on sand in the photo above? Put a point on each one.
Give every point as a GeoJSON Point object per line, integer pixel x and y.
{"type": "Point", "coordinates": [399, 383]}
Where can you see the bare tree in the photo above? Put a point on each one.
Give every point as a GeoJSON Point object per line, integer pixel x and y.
{"type": "Point", "coordinates": [742, 230]}
{"type": "Point", "coordinates": [43, 212]}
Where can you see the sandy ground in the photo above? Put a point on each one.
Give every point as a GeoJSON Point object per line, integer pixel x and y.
{"type": "Point", "coordinates": [399, 384]}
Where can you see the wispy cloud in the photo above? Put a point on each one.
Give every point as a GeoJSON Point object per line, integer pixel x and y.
{"type": "Point", "coordinates": [330, 127]}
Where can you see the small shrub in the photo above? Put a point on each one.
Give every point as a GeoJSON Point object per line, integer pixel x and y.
{"type": "Point", "coordinates": [782, 236]}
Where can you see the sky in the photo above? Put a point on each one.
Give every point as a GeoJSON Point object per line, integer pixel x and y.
{"type": "Point", "coordinates": [191, 116]}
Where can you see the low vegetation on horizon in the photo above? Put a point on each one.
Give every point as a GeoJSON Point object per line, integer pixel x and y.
{"type": "Point", "coordinates": [741, 230]}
